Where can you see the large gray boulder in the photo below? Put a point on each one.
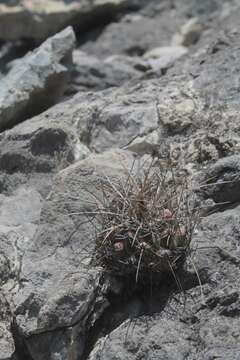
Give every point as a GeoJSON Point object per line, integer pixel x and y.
{"type": "Point", "coordinates": [36, 81]}
{"type": "Point", "coordinates": [19, 215]}
{"type": "Point", "coordinates": [65, 294]}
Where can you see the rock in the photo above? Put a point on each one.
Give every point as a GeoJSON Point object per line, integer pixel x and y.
{"type": "Point", "coordinates": [134, 38]}
{"type": "Point", "coordinates": [27, 156]}
{"type": "Point", "coordinates": [10, 52]}
{"type": "Point", "coordinates": [37, 81]}
{"type": "Point", "coordinates": [191, 327]}
{"type": "Point", "coordinates": [92, 73]}
{"type": "Point", "coordinates": [7, 346]}
{"type": "Point", "coordinates": [202, 150]}
{"type": "Point", "coordinates": [148, 144]}
{"type": "Point", "coordinates": [33, 151]}
{"type": "Point", "coordinates": [176, 115]}
{"type": "Point", "coordinates": [18, 215]}
{"type": "Point", "coordinates": [189, 34]}
{"type": "Point", "coordinates": [23, 206]}
{"type": "Point", "coordinates": [220, 181]}
{"type": "Point", "coordinates": [41, 19]}
{"type": "Point", "coordinates": [206, 147]}
{"type": "Point", "coordinates": [65, 294]}
{"type": "Point", "coordinates": [134, 61]}
{"type": "Point", "coordinates": [169, 51]}
{"type": "Point", "coordinates": [117, 125]}
{"type": "Point", "coordinates": [164, 57]}
{"type": "Point", "coordinates": [161, 339]}
{"type": "Point", "coordinates": [98, 121]}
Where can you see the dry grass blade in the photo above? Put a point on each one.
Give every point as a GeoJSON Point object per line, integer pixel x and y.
{"type": "Point", "coordinates": [138, 266]}
{"type": "Point", "coordinates": [199, 279]}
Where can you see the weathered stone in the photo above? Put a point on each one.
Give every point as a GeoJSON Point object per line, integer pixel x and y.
{"type": "Point", "coordinates": [7, 346]}
{"type": "Point", "coordinates": [37, 81]}
{"type": "Point", "coordinates": [140, 339]}
{"type": "Point", "coordinates": [62, 291]}
{"type": "Point", "coordinates": [23, 206]}
{"type": "Point", "coordinates": [148, 144]}
{"type": "Point", "coordinates": [92, 73]}
{"type": "Point", "coordinates": [220, 181]}
{"type": "Point", "coordinates": [101, 120]}
{"type": "Point", "coordinates": [191, 327]}
{"type": "Point", "coordinates": [164, 57]}
{"type": "Point", "coordinates": [176, 113]}
{"type": "Point", "coordinates": [189, 33]}
{"type": "Point", "coordinates": [18, 215]}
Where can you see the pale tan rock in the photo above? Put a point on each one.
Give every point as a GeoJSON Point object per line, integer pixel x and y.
{"type": "Point", "coordinates": [189, 33]}
{"type": "Point", "coordinates": [165, 56]}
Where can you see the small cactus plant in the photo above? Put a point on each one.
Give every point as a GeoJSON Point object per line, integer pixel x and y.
{"type": "Point", "coordinates": [146, 223]}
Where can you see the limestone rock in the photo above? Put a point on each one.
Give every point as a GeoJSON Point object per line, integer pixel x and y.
{"type": "Point", "coordinates": [221, 181]}
{"type": "Point", "coordinates": [148, 144]}
{"type": "Point", "coordinates": [189, 33]}
{"type": "Point", "coordinates": [163, 57]}
{"type": "Point", "coordinates": [177, 328]}
{"type": "Point", "coordinates": [64, 292]}
{"type": "Point", "coordinates": [36, 81]}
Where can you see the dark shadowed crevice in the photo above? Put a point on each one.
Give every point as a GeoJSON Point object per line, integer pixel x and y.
{"type": "Point", "coordinates": [21, 351]}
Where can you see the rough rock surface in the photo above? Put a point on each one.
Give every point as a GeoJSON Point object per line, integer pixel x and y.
{"type": "Point", "coordinates": [36, 81]}
{"type": "Point", "coordinates": [93, 73]}
{"type": "Point", "coordinates": [7, 345]}
{"type": "Point", "coordinates": [162, 58]}
{"type": "Point", "coordinates": [202, 324]}
{"type": "Point", "coordinates": [134, 90]}
{"type": "Point", "coordinates": [57, 283]}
